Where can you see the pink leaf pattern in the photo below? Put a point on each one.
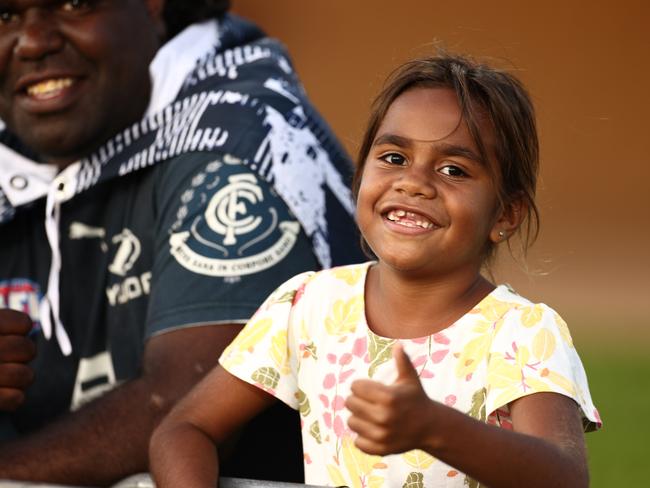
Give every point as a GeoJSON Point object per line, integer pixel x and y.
{"type": "Point", "coordinates": [441, 338]}
{"type": "Point", "coordinates": [339, 427]}
{"type": "Point", "coordinates": [419, 361]}
{"type": "Point", "coordinates": [327, 418]}
{"type": "Point", "coordinates": [338, 403]}
{"type": "Point", "coordinates": [438, 356]}
{"type": "Point", "coordinates": [360, 347]}
{"type": "Point", "coordinates": [345, 359]}
{"type": "Point", "coordinates": [324, 400]}
{"type": "Point", "coordinates": [329, 381]}
{"type": "Point", "coordinates": [344, 375]}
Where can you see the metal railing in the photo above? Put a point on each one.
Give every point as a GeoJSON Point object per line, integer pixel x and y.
{"type": "Point", "coordinates": [144, 481]}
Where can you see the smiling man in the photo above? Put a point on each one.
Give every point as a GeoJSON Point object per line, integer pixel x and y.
{"type": "Point", "coordinates": [161, 171]}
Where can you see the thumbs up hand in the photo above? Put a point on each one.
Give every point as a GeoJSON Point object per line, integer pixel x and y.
{"type": "Point", "coordinates": [394, 418]}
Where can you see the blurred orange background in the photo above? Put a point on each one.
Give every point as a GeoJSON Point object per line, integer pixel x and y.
{"type": "Point", "coordinates": [586, 67]}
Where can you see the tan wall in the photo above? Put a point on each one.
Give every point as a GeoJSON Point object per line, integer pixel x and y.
{"type": "Point", "coordinates": [587, 66]}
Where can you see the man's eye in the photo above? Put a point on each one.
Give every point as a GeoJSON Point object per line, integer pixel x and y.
{"type": "Point", "coordinates": [393, 158]}
{"type": "Point", "coordinates": [451, 170]}
{"type": "Point", "coordinates": [70, 5]}
{"type": "Point", "coordinates": [7, 16]}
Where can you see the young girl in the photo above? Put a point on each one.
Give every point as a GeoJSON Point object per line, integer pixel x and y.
{"type": "Point", "coordinates": [413, 370]}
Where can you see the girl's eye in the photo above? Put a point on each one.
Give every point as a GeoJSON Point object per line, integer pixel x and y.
{"type": "Point", "coordinates": [393, 158]}
{"type": "Point", "coordinates": [452, 170]}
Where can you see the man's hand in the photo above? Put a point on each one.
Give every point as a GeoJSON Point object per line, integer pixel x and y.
{"type": "Point", "coordinates": [389, 419]}
{"type": "Point", "coordinates": [16, 351]}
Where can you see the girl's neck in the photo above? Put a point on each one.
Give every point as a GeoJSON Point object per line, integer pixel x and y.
{"type": "Point", "coordinates": [399, 307]}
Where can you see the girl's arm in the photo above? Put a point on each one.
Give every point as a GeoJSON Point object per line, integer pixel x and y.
{"type": "Point", "coordinates": [546, 448]}
{"type": "Point", "coordinates": [182, 451]}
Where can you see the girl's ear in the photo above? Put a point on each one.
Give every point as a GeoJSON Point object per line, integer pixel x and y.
{"type": "Point", "coordinates": [511, 216]}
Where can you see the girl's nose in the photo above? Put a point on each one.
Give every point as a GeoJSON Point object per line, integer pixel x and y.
{"type": "Point", "coordinates": [416, 182]}
{"type": "Point", "coordinates": [38, 35]}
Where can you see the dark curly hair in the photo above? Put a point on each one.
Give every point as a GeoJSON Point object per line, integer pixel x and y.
{"type": "Point", "coordinates": [178, 14]}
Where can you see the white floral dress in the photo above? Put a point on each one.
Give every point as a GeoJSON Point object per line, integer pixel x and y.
{"type": "Point", "coordinates": [310, 340]}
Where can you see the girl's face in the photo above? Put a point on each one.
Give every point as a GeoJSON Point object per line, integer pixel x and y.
{"type": "Point", "coordinates": [426, 203]}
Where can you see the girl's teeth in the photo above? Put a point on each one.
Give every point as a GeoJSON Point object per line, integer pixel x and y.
{"type": "Point", "coordinates": [413, 220]}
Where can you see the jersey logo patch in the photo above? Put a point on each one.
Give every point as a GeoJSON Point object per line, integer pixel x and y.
{"type": "Point", "coordinates": [238, 233]}
{"type": "Point", "coordinates": [127, 253]}
{"type": "Point", "coordinates": [22, 295]}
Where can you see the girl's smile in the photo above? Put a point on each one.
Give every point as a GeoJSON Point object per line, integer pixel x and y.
{"type": "Point", "coordinates": [427, 201]}
{"type": "Point", "coordinates": [402, 218]}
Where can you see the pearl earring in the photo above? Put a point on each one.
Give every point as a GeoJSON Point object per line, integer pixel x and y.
{"type": "Point", "coordinates": [501, 234]}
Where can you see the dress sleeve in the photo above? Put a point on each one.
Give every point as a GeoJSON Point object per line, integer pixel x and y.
{"type": "Point", "coordinates": [263, 354]}
{"type": "Point", "coordinates": [533, 352]}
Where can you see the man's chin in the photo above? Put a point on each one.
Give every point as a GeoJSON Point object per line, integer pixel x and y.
{"type": "Point", "coordinates": [60, 146]}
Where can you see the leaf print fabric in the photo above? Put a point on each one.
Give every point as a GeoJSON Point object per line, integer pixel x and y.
{"type": "Point", "coordinates": [310, 340]}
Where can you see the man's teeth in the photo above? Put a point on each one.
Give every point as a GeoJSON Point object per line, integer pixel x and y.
{"type": "Point", "coordinates": [409, 219]}
{"type": "Point", "coordinates": [48, 87]}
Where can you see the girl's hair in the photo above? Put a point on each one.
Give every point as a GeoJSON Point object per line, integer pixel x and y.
{"type": "Point", "coordinates": [482, 92]}
{"type": "Point", "coordinates": [178, 14]}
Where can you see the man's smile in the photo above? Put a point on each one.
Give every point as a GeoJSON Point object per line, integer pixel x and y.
{"type": "Point", "coordinates": [47, 89]}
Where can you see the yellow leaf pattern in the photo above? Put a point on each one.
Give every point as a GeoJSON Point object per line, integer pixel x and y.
{"type": "Point", "coordinates": [350, 275]}
{"type": "Point", "coordinates": [418, 459]}
{"type": "Point", "coordinates": [279, 352]}
{"type": "Point", "coordinates": [252, 334]}
{"type": "Point", "coordinates": [507, 395]}
{"type": "Point", "coordinates": [358, 464]}
{"type": "Point", "coordinates": [564, 330]}
{"type": "Point", "coordinates": [522, 356]}
{"type": "Point", "coordinates": [501, 373]}
{"type": "Point", "coordinates": [492, 309]}
{"type": "Point", "coordinates": [473, 355]}
{"type": "Point", "coordinates": [531, 316]}
{"type": "Point", "coordinates": [345, 316]}
{"type": "Point", "coordinates": [567, 385]}
{"type": "Point", "coordinates": [336, 476]}
{"type": "Point", "coordinates": [543, 344]}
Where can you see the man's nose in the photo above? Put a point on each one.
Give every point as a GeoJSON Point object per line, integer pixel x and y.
{"type": "Point", "coordinates": [37, 36]}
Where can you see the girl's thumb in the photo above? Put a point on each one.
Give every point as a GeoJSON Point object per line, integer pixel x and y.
{"type": "Point", "coordinates": [405, 369]}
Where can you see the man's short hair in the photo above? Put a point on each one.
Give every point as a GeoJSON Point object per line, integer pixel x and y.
{"type": "Point", "coordinates": [178, 14]}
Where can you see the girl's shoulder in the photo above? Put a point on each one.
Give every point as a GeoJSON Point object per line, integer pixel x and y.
{"type": "Point", "coordinates": [513, 312]}
{"type": "Point", "coordinates": [509, 300]}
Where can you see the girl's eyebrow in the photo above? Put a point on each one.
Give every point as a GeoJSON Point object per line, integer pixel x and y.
{"type": "Point", "coordinates": [461, 151]}
{"type": "Point", "coordinates": [443, 147]}
{"type": "Point", "coordinates": [393, 139]}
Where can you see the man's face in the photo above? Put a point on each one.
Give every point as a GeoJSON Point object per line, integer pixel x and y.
{"type": "Point", "coordinates": [74, 73]}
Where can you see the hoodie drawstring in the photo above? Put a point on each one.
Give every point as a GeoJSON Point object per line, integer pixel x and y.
{"type": "Point", "coordinates": [50, 306]}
